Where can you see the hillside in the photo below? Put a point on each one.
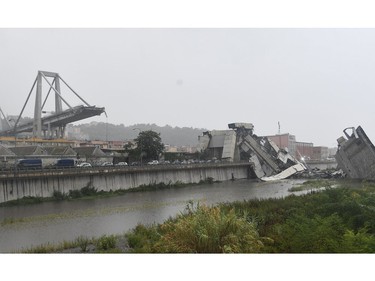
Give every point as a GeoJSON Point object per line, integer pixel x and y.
{"type": "Point", "coordinates": [175, 136]}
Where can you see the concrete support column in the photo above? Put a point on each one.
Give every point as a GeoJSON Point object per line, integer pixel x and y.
{"type": "Point", "coordinates": [37, 126]}
{"type": "Point", "coordinates": [58, 103]}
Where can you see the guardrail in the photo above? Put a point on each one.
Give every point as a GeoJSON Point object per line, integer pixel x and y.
{"type": "Point", "coordinates": [59, 171]}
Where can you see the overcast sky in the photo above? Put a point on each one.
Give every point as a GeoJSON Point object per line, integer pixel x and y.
{"type": "Point", "coordinates": [315, 82]}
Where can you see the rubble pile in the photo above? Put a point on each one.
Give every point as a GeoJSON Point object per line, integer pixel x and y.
{"type": "Point", "coordinates": [268, 161]}
{"type": "Point", "coordinates": [319, 174]}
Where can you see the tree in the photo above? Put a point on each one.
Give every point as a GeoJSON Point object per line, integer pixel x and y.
{"type": "Point", "coordinates": [149, 145]}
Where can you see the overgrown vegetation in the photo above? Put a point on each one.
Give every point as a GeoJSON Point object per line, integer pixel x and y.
{"type": "Point", "coordinates": [106, 244]}
{"type": "Point", "coordinates": [332, 220]}
{"type": "Point", "coordinates": [335, 220]}
{"type": "Point", "coordinates": [25, 201]}
{"type": "Point", "coordinates": [60, 247]}
{"type": "Point", "coordinates": [200, 230]}
{"type": "Point", "coordinates": [103, 244]}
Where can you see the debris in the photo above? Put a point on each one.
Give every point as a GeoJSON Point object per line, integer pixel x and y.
{"type": "Point", "coordinates": [319, 174]}
{"type": "Point", "coordinates": [286, 173]}
{"type": "Point", "coordinates": [356, 154]}
{"type": "Point", "coordinates": [269, 162]}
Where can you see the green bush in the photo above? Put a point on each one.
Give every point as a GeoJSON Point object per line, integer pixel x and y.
{"type": "Point", "coordinates": [360, 242]}
{"type": "Point", "coordinates": [106, 243]}
{"type": "Point", "coordinates": [75, 194]}
{"type": "Point", "coordinates": [58, 195]}
{"type": "Point", "coordinates": [84, 191]}
{"type": "Point", "coordinates": [301, 234]}
{"type": "Point", "coordinates": [88, 191]}
{"type": "Point", "coordinates": [209, 230]}
{"type": "Point", "coordinates": [210, 180]}
{"type": "Point", "coordinates": [142, 238]}
{"type": "Point", "coordinates": [82, 242]}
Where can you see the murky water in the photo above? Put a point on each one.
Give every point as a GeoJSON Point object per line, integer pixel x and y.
{"type": "Point", "coordinates": [31, 225]}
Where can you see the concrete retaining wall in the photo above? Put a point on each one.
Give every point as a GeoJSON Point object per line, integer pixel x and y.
{"type": "Point", "coordinates": [43, 184]}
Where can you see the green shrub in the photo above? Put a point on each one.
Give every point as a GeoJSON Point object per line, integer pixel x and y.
{"type": "Point", "coordinates": [88, 191]}
{"type": "Point", "coordinates": [360, 242]}
{"type": "Point", "coordinates": [301, 234]}
{"type": "Point", "coordinates": [75, 194]}
{"type": "Point", "coordinates": [208, 180]}
{"type": "Point", "coordinates": [82, 242]}
{"type": "Point", "coordinates": [58, 195]}
{"type": "Point", "coordinates": [209, 230]}
{"type": "Point", "coordinates": [106, 243]}
{"type": "Point", "coordinates": [142, 238]}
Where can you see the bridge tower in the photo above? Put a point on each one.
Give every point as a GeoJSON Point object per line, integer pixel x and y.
{"type": "Point", "coordinates": [53, 125]}
{"type": "Point", "coordinates": [37, 123]}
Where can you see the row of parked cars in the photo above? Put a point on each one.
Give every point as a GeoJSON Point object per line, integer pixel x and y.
{"type": "Point", "coordinates": [66, 163]}
{"type": "Point", "coordinates": [85, 164]}
{"type": "Point", "coordinates": [183, 162]}
{"type": "Point", "coordinates": [153, 162]}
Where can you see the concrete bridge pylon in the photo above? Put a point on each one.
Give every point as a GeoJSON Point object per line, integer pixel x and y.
{"type": "Point", "coordinates": [52, 126]}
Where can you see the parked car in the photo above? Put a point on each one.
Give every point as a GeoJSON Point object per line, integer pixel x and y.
{"type": "Point", "coordinates": [122, 164]}
{"type": "Point", "coordinates": [107, 164]}
{"type": "Point", "coordinates": [84, 165]}
{"type": "Point", "coordinates": [153, 162]}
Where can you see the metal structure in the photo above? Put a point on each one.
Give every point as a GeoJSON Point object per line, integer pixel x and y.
{"type": "Point", "coordinates": [6, 120]}
{"type": "Point", "coordinates": [356, 154]}
{"type": "Point", "coordinates": [51, 126]}
{"type": "Point", "coordinates": [268, 161]}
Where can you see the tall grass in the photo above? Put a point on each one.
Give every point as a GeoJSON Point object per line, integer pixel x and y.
{"type": "Point", "coordinates": [334, 220]}
{"type": "Point", "coordinates": [200, 230]}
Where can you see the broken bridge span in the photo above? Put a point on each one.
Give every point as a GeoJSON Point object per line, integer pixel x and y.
{"type": "Point", "coordinates": [53, 125]}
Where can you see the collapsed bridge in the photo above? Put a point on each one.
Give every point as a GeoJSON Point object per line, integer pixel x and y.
{"type": "Point", "coordinates": [356, 154]}
{"type": "Point", "coordinates": [53, 125]}
{"type": "Point", "coordinates": [268, 161]}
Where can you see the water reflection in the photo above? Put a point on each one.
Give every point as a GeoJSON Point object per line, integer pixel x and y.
{"type": "Point", "coordinates": [32, 225]}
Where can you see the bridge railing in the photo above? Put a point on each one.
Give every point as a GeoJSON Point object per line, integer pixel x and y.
{"type": "Point", "coordinates": [56, 171]}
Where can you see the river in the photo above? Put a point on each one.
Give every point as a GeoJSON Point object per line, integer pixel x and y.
{"type": "Point", "coordinates": [26, 226]}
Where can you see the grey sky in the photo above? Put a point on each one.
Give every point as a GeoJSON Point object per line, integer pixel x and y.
{"type": "Point", "coordinates": [315, 82]}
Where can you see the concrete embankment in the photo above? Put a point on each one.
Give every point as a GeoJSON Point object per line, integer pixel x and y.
{"type": "Point", "coordinates": [43, 183]}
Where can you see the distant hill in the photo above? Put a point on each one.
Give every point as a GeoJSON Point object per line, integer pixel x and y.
{"type": "Point", "coordinates": [175, 136]}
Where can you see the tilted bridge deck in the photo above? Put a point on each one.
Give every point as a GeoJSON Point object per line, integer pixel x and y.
{"type": "Point", "coordinates": [61, 119]}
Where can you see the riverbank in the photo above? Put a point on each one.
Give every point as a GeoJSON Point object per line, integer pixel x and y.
{"type": "Point", "coordinates": [335, 217]}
